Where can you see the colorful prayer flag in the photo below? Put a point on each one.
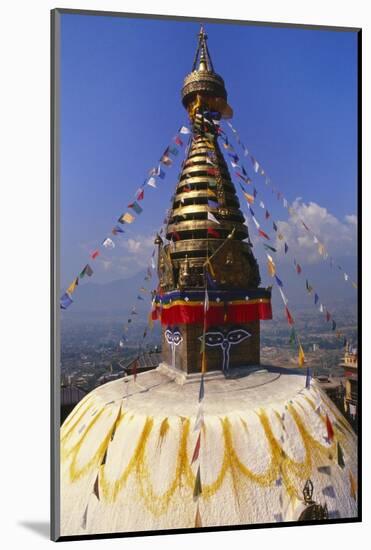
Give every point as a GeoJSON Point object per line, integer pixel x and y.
{"type": "Point", "coordinates": [136, 207]}
{"type": "Point", "coordinates": [196, 451]}
{"type": "Point", "coordinates": [278, 281]}
{"type": "Point", "coordinates": [250, 198]}
{"type": "Point", "coordinates": [65, 301]}
{"type": "Point", "coordinates": [86, 271]}
{"type": "Point", "coordinates": [290, 319]}
{"type": "Point", "coordinates": [301, 357]}
{"type": "Point", "coordinates": [201, 394]}
{"type": "Point", "coordinates": [184, 130]}
{"type": "Point", "coordinates": [197, 488]}
{"type": "Point", "coordinates": [139, 195]}
{"type": "Point", "coordinates": [316, 298]}
{"type": "Point", "coordinates": [94, 254]}
{"type": "Point", "coordinates": [198, 521]}
{"type": "Point", "coordinates": [71, 289]}
{"type": "Point", "coordinates": [178, 141]}
{"type": "Point", "coordinates": [212, 218]}
{"type": "Point", "coordinates": [286, 248]}
{"type": "Point", "coordinates": [213, 232]}
{"type": "Point", "coordinates": [271, 266]}
{"type": "Point", "coordinates": [340, 454]}
{"type": "Point", "coordinates": [292, 337]}
{"type": "Point", "coordinates": [330, 429]}
{"type": "Point", "coordinates": [298, 269]}
{"type": "Point", "coordinates": [284, 299]}
{"type": "Point", "coordinates": [152, 182]}
{"type": "Point", "coordinates": [268, 247]}
{"type": "Point", "coordinates": [263, 234]}
{"type": "Point", "coordinates": [117, 229]}
{"type": "Point", "coordinates": [353, 486]}
{"type": "Point", "coordinates": [126, 218]}
{"type": "Point", "coordinates": [108, 243]}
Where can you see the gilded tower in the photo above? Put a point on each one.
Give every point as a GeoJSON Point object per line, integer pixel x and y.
{"type": "Point", "coordinates": [208, 296]}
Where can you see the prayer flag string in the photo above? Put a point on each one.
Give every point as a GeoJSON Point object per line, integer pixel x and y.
{"type": "Point", "coordinates": [293, 212]}
{"type": "Point", "coordinates": [166, 159]}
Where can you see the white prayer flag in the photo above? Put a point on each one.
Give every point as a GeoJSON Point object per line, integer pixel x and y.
{"type": "Point", "coordinates": [285, 203]}
{"type": "Point", "coordinates": [185, 130]}
{"type": "Point", "coordinates": [284, 299]}
{"type": "Point", "coordinates": [346, 276]}
{"type": "Point", "coordinates": [321, 308]}
{"type": "Point", "coordinates": [235, 165]}
{"type": "Point", "coordinates": [212, 218]}
{"type": "Point", "coordinates": [152, 182]}
{"type": "Point", "coordinates": [108, 243]}
{"type": "Point", "coordinates": [206, 303]}
{"type": "Point", "coordinates": [153, 263]}
{"type": "Point", "coordinates": [261, 204]}
{"type": "Point", "coordinates": [256, 222]}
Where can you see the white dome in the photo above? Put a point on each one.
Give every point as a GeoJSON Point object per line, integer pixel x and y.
{"type": "Point", "coordinates": [126, 453]}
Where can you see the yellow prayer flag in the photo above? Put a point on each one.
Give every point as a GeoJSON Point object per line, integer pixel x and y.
{"type": "Point", "coordinates": [250, 198]}
{"type": "Point", "coordinates": [271, 267]}
{"type": "Point", "coordinates": [321, 249]}
{"type": "Point", "coordinates": [203, 363]}
{"type": "Point", "coordinates": [127, 218]}
{"type": "Point", "coordinates": [198, 521]}
{"type": "Point", "coordinates": [353, 486]}
{"type": "Point", "coordinates": [73, 286]}
{"type": "Point", "coordinates": [354, 284]}
{"type": "Point", "coordinates": [211, 269]}
{"type": "Point", "coordinates": [301, 358]}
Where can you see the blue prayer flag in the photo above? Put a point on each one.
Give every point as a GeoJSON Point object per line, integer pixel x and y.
{"type": "Point", "coordinates": [65, 301]}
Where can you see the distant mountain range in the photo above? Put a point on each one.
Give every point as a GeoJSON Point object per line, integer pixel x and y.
{"type": "Point", "coordinates": [117, 297]}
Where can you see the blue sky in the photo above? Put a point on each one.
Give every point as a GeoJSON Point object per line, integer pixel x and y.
{"type": "Point", "coordinates": [294, 97]}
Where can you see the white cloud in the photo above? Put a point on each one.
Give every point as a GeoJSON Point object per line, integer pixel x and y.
{"type": "Point", "coordinates": [135, 255]}
{"type": "Point", "coordinates": [338, 236]}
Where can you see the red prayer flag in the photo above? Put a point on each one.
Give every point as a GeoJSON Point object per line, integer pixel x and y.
{"type": "Point", "coordinates": [213, 232]}
{"type": "Point", "coordinates": [176, 236]}
{"type": "Point", "coordinates": [212, 171]}
{"type": "Point", "coordinates": [140, 194]}
{"type": "Point", "coordinates": [298, 269]}
{"type": "Point", "coordinates": [178, 141]}
{"type": "Point", "coordinates": [196, 452]}
{"type": "Point", "coordinates": [330, 429]}
{"type": "Point", "coordinates": [94, 254]}
{"type": "Point", "coordinates": [263, 234]}
{"type": "Point", "coordinates": [290, 319]}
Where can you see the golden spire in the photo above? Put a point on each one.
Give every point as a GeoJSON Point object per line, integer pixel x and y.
{"type": "Point", "coordinates": [205, 211]}
{"type": "Point", "coordinates": [203, 84]}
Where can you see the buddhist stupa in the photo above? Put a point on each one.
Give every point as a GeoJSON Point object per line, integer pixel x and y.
{"type": "Point", "coordinates": [274, 447]}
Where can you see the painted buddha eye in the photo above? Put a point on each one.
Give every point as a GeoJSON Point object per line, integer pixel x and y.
{"type": "Point", "coordinates": [177, 338]}
{"type": "Point", "coordinates": [169, 336]}
{"type": "Point", "coordinates": [236, 336]}
{"type": "Point", "coordinates": [213, 338]}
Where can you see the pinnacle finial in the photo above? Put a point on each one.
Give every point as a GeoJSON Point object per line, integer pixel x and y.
{"type": "Point", "coordinates": [202, 53]}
